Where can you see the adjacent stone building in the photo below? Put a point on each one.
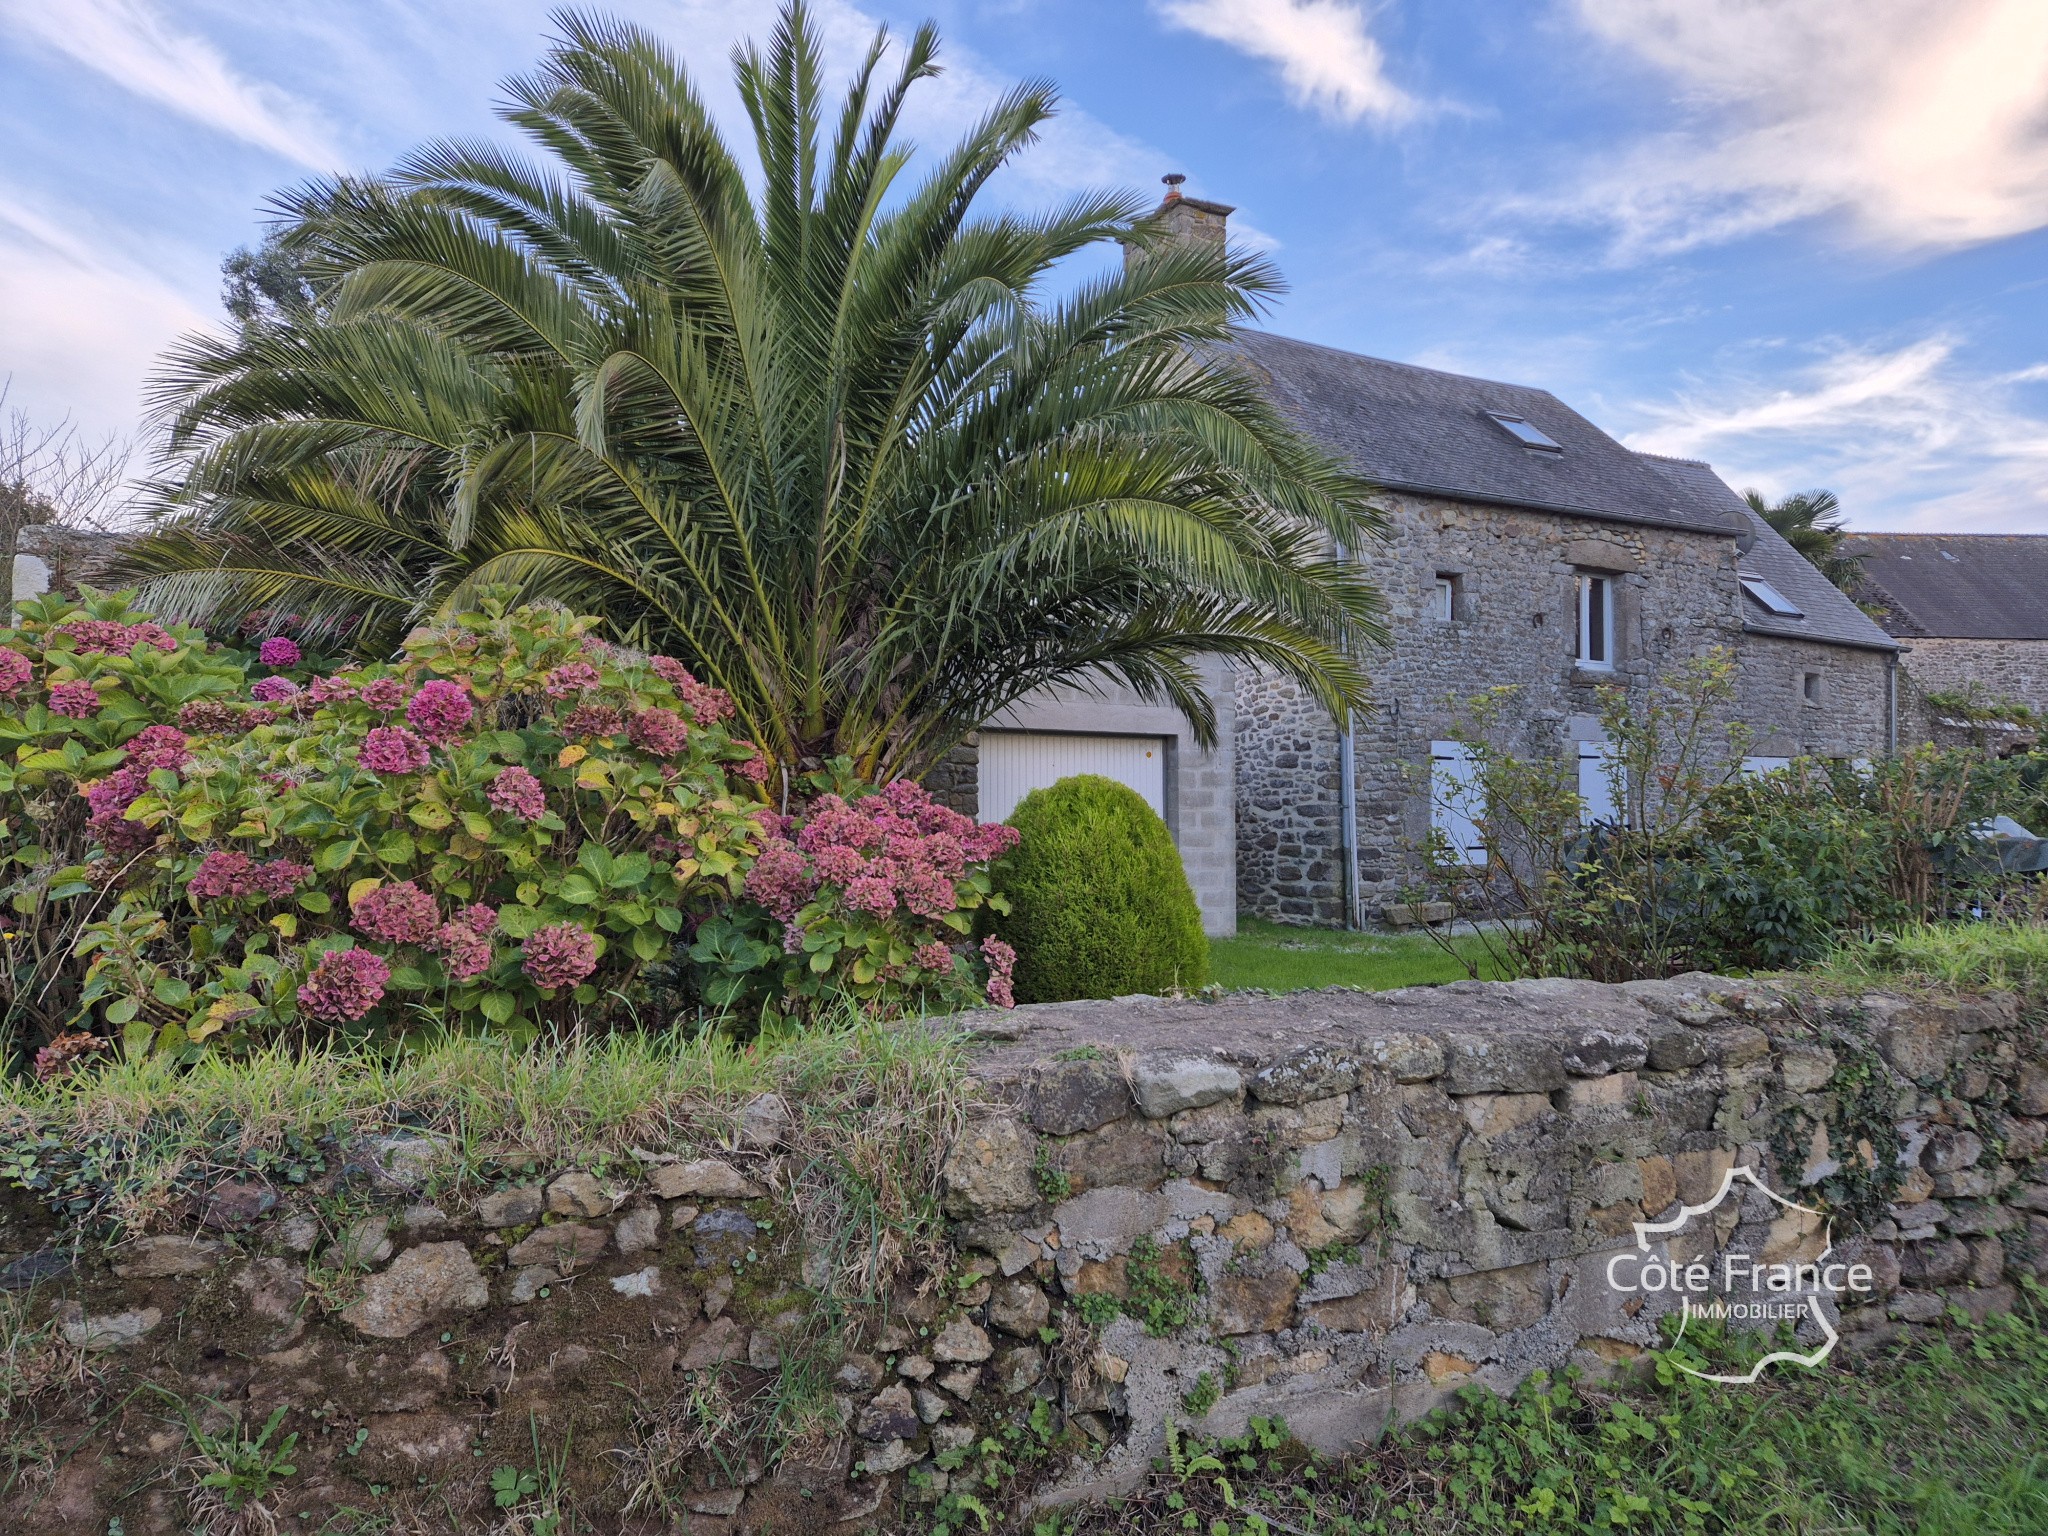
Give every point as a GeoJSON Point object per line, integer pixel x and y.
{"type": "Point", "coordinates": [1972, 611]}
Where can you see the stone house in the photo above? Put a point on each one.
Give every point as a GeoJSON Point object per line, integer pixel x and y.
{"type": "Point", "coordinates": [1971, 611]}
{"type": "Point", "coordinates": [1525, 546]}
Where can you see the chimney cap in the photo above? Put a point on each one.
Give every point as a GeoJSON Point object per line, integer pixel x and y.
{"type": "Point", "coordinates": [1173, 179]}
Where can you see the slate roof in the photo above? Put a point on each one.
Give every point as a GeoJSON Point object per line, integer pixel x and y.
{"type": "Point", "coordinates": [1979, 586]}
{"type": "Point", "coordinates": [1827, 612]}
{"type": "Point", "coordinates": [1419, 429]}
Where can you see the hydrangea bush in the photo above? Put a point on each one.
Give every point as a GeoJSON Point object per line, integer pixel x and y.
{"type": "Point", "coordinates": [867, 892]}
{"type": "Point", "coordinates": [513, 827]}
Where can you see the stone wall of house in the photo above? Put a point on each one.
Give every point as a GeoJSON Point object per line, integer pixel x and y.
{"type": "Point", "coordinates": [1514, 622]}
{"type": "Point", "coordinates": [956, 782]}
{"type": "Point", "coordinates": [1847, 717]}
{"type": "Point", "coordinates": [1377, 1199]}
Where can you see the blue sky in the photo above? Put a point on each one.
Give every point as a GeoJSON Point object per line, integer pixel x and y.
{"type": "Point", "coordinates": [1804, 239]}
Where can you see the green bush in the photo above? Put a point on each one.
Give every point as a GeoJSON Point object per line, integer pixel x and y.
{"type": "Point", "coordinates": [1100, 906]}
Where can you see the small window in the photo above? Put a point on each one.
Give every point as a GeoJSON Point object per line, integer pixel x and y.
{"type": "Point", "coordinates": [1448, 597]}
{"type": "Point", "coordinates": [1809, 686]}
{"type": "Point", "coordinates": [1770, 599]}
{"type": "Point", "coordinates": [1520, 429]}
{"type": "Point", "coordinates": [1596, 623]}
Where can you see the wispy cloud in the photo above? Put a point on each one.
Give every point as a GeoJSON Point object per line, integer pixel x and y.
{"type": "Point", "coordinates": [83, 322]}
{"type": "Point", "coordinates": [131, 44]}
{"type": "Point", "coordinates": [1921, 123]}
{"type": "Point", "coordinates": [1325, 53]}
{"type": "Point", "coordinates": [1909, 437]}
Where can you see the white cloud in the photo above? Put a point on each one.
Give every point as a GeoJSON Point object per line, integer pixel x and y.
{"type": "Point", "coordinates": [1325, 54]}
{"type": "Point", "coordinates": [1923, 123]}
{"type": "Point", "coordinates": [83, 323]}
{"type": "Point", "coordinates": [130, 44]}
{"type": "Point", "coordinates": [1909, 438]}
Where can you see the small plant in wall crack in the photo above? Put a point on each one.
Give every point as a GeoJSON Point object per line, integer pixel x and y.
{"type": "Point", "coordinates": [236, 1473]}
{"type": "Point", "coordinates": [1054, 1182]}
{"type": "Point", "coordinates": [531, 1499]}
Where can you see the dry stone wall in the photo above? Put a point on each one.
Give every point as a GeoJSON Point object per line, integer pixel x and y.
{"type": "Point", "coordinates": [1353, 1205]}
{"type": "Point", "coordinates": [1335, 1208]}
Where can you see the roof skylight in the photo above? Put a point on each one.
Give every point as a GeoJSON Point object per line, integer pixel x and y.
{"type": "Point", "coordinates": [1770, 598]}
{"type": "Point", "coordinates": [1519, 428]}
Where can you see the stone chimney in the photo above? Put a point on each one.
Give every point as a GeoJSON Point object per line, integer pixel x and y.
{"type": "Point", "coordinates": [1185, 221]}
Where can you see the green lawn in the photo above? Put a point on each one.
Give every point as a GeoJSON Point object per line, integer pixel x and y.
{"type": "Point", "coordinates": [1278, 958]}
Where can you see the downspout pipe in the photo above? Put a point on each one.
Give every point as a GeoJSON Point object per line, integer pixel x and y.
{"type": "Point", "coordinates": [1347, 791]}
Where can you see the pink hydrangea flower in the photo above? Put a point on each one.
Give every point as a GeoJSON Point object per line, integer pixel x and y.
{"type": "Point", "coordinates": [659, 732]}
{"type": "Point", "coordinates": [873, 894]}
{"type": "Point", "coordinates": [382, 694]}
{"type": "Point", "coordinates": [593, 720]}
{"type": "Point", "coordinates": [560, 955]}
{"type": "Point", "coordinates": [76, 701]}
{"type": "Point", "coordinates": [208, 717]}
{"type": "Point", "coordinates": [755, 767]}
{"type": "Point", "coordinates": [464, 951]}
{"type": "Point", "coordinates": [400, 913]}
{"type": "Point", "coordinates": [158, 746]}
{"type": "Point", "coordinates": [569, 679]}
{"type": "Point", "coordinates": [279, 878]}
{"type": "Point", "coordinates": [111, 638]}
{"type": "Point", "coordinates": [779, 881]}
{"type": "Point", "coordinates": [108, 801]}
{"type": "Point", "coordinates": [932, 956]}
{"type": "Point", "coordinates": [393, 749]}
{"type": "Point", "coordinates": [515, 792]}
{"type": "Point", "coordinates": [672, 672]}
{"type": "Point", "coordinates": [278, 651]}
{"type": "Point", "coordinates": [1002, 960]}
{"type": "Point", "coordinates": [273, 690]}
{"type": "Point", "coordinates": [479, 918]}
{"type": "Point", "coordinates": [440, 711]}
{"type": "Point", "coordinates": [330, 690]}
{"type": "Point", "coordinates": [16, 671]}
{"type": "Point", "coordinates": [344, 985]}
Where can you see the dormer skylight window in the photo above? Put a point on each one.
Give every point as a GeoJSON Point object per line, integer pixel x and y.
{"type": "Point", "coordinates": [1520, 429]}
{"type": "Point", "coordinates": [1770, 599]}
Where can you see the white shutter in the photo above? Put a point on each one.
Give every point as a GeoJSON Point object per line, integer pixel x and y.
{"type": "Point", "coordinates": [1754, 766]}
{"type": "Point", "coordinates": [1457, 804]}
{"type": "Point", "coordinates": [1596, 785]}
{"type": "Point", "coordinates": [1013, 763]}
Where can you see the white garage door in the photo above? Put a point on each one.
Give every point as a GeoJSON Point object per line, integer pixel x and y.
{"type": "Point", "coordinates": [1013, 763]}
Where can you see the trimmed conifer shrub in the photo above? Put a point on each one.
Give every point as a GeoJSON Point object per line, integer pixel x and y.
{"type": "Point", "coordinates": [1099, 903]}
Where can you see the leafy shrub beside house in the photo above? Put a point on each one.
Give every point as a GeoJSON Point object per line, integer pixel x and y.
{"type": "Point", "coordinates": [515, 827]}
{"type": "Point", "coordinates": [1100, 906]}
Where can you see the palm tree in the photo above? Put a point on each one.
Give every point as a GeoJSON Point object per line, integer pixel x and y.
{"type": "Point", "coordinates": [1812, 523]}
{"type": "Point", "coordinates": [851, 450]}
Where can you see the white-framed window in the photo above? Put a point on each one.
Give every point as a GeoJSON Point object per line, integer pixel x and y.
{"type": "Point", "coordinates": [1457, 802]}
{"type": "Point", "coordinates": [1596, 623]}
{"type": "Point", "coordinates": [1447, 597]}
{"type": "Point", "coordinates": [1756, 767]}
{"type": "Point", "coordinates": [1596, 784]}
